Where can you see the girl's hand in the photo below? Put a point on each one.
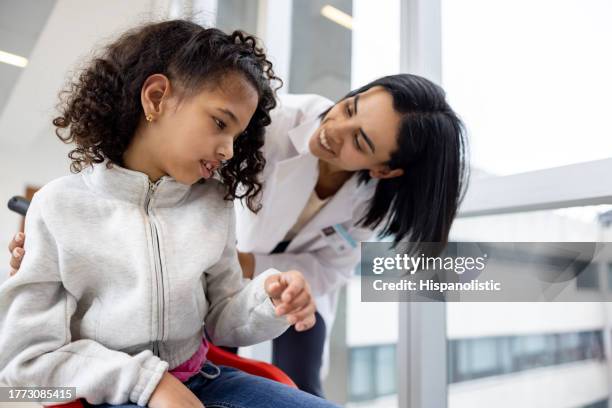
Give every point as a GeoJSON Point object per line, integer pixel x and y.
{"type": "Point", "coordinates": [170, 393]}
{"type": "Point", "coordinates": [17, 252]}
{"type": "Point", "coordinates": [291, 296]}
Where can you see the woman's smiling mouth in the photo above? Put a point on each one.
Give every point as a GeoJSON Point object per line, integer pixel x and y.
{"type": "Point", "coordinates": [324, 143]}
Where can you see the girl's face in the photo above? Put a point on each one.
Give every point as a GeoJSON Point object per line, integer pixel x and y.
{"type": "Point", "coordinates": [190, 137]}
{"type": "Point", "coordinates": [359, 133]}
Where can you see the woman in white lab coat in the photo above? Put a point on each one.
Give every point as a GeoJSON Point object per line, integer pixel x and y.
{"type": "Point", "coordinates": [390, 158]}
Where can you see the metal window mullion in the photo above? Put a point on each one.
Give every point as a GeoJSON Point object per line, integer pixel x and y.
{"type": "Point", "coordinates": [421, 350]}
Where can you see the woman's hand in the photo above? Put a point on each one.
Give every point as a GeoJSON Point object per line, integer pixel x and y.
{"type": "Point", "coordinates": [17, 252]}
{"type": "Point", "coordinates": [247, 263]}
{"type": "Point", "coordinates": [291, 296]}
{"type": "Point", "coordinates": [170, 393]}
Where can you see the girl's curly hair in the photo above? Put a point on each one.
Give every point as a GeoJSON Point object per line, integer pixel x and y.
{"type": "Point", "coordinates": [100, 110]}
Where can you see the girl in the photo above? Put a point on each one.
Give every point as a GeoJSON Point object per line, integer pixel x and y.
{"type": "Point", "coordinates": [131, 255]}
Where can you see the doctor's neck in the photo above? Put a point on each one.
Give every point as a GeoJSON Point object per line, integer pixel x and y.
{"type": "Point", "coordinates": [331, 179]}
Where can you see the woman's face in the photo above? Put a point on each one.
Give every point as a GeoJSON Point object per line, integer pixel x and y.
{"type": "Point", "coordinates": [359, 133]}
{"type": "Point", "coordinates": [195, 134]}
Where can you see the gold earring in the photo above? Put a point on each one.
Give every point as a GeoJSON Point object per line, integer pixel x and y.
{"type": "Point", "coordinates": [149, 117]}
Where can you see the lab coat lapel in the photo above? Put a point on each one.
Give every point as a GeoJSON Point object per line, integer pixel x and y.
{"type": "Point", "coordinates": [291, 184]}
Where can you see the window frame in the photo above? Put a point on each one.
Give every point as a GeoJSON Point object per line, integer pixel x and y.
{"type": "Point", "coordinates": [422, 348]}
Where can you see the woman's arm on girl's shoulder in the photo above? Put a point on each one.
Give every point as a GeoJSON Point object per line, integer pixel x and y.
{"type": "Point", "coordinates": [35, 339]}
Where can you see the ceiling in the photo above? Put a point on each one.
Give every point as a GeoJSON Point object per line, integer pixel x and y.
{"type": "Point", "coordinates": [21, 22]}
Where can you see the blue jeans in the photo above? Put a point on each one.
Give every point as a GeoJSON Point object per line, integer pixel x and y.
{"type": "Point", "coordinates": [303, 367]}
{"type": "Point", "coordinates": [226, 387]}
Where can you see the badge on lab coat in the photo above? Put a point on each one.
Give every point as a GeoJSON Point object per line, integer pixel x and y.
{"type": "Point", "coordinates": [338, 238]}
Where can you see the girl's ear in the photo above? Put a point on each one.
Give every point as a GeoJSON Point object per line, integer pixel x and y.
{"type": "Point", "coordinates": [155, 91]}
{"type": "Point", "coordinates": [384, 172]}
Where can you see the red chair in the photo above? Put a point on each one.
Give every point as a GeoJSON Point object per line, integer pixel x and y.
{"type": "Point", "coordinates": [222, 357]}
{"type": "Point", "coordinates": [254, 367]}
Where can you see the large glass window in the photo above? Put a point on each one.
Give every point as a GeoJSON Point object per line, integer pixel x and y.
{"type": "Point", "coordinates": [21, 23]}
{"type": "Point", "coordinates": [383, 370]}
{"type": "Point", "coordinates": [361, 366]}
{"type": "Point", "coordinates": [589, 278]}
{"type": "Point", "coordinates": [238, 14]}
{"type": "Point", "coordinates": [474, 358]}
{"type": "Point", "coordinates": [531, 80]}
{"type": "Point", "coordinates": [321, 48]}
{"type": "Point", "coordinates": [557, 348]}
{"type": "Point", "coordinates": [599, 404]}
{"type": "Point", "coordinates": [370, 377]}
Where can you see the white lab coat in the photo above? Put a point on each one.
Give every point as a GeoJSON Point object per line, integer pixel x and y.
{"type": "Point", "coordinates": [289, 178]}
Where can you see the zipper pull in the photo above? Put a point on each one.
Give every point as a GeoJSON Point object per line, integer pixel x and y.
{"type": "Point", "coordinates": [150, 192]}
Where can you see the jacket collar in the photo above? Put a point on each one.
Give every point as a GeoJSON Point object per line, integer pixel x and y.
{"type": "Point", "coordinates": [301, 134]}
{"type": "Point", "coordinates": [133, 186]}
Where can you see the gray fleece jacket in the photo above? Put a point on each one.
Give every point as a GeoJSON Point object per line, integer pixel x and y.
{"type": "Point", "coordinates": [120, 278]}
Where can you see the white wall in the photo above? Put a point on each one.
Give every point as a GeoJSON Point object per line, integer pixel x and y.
{"type": "Point", "coordinates": [30, 154]}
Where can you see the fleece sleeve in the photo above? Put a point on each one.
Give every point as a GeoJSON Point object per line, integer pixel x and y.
{"type": "Point", "coordinates": [240, 313]}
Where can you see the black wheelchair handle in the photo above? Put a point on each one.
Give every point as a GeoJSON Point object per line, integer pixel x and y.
{"type": "Point", "coordinates": [19, 205]}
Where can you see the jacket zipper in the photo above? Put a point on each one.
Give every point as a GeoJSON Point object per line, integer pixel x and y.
{"type": "Point", "coordinates": [159, 275]}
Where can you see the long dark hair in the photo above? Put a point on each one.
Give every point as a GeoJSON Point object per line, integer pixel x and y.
{"type": "Point", "coordinates": [420, 205]}
{"type": "Point", "coordinates": [100, 110]}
